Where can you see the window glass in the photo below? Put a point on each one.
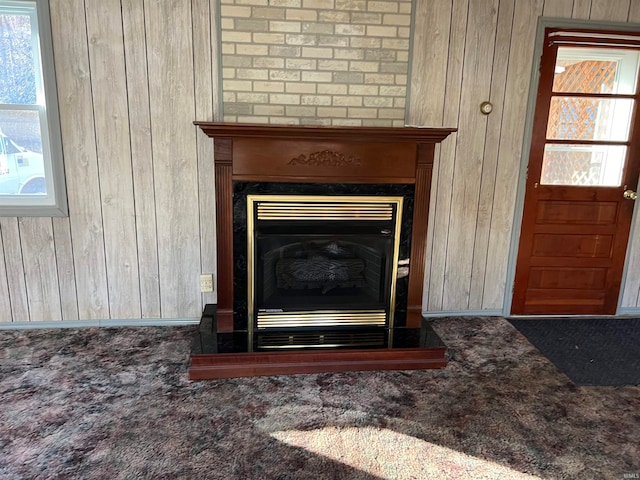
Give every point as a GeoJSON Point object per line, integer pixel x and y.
{"type": "Point", "coordinates": [18, 73]}
{"type": "Point", "coordinates": [31, 173]}
{"type": "Point", "coordinates": [588, 105]}
{"type": "Point", "coordinates": [595, 70]}
{"type": "Point", "coordinates": [589, 118]}
{"type": "Point", "coordinates": [593, 165]}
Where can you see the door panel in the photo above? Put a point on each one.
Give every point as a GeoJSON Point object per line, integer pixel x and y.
{"type": "Point", "coordinates": [582, 278]}
{"type": "Point", "coordinates": [576, 213]}
{"type": "Point", "coordinates": [571, 245]}
{"type": "Point", "coordinates": [584, 154]}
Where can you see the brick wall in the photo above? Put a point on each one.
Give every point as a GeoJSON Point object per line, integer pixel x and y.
{"type": "Point", "coordinates": [315, 62]}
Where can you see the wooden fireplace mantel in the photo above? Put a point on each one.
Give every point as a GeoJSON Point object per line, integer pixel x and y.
{"type": "Point", "coordinates": [367, 134]}
{"type": "Point", "coordinates": [283, 153]}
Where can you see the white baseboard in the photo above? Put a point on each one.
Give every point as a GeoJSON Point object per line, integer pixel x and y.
{"type": "Point", "coordinates": [132, 322]}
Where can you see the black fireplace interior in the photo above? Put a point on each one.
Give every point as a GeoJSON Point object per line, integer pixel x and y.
{"type": "Point", "coordinates": [322, 267]}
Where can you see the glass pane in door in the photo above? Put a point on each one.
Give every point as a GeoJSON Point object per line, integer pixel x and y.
{"type": "Point", "coordinates": [589, 113]}
{"type": "Point", "coordinates": [580, 118]}
{"type": "Point", "coordinates": [583, 165]}
{"type": "Point", "coordinates": [595, 70]}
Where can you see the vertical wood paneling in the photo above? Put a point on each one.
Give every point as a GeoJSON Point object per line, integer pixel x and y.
{"type": "Point", "coordinates": [631, 293]}
{"type": "Point", "coordinates": [135, 47]}
{"type": "Point", "coordinates": [516, 93]}
{"type": "Point", "coordinates": [467, 173]}
{"type": "Point", "coordinates": [443, 176]}
{"type": "Point", "coordinates": [581, 8]}
{"type": "Point", "coordinates": [429, 64]}
{"type": "Point", "coordinates": [108, 82]}
{"type": "Point", "coordinates": [611, 10]}
{"type": "Point", "coordinates": [40, 269]}
{"type": "Point", "coordinates": [81, 166]}
{"type": "Point", "coordinates": [558, 8]}
{"type": "Point", "coordinates": [204, 94]}
{"type": "Point", "coordinates": [15, 269]}
{"type": "Point", "coordinates": [5, 301]}
{"type": "Point", "coordinates": [634, 12]}
{"type": "Point", "coordinates": [66, 273]}
{"type": "Point", "coordinates": [216, 58]}
{"type": "Point", "coordinates": [491, 153]}
{"type": "Point", "coordinates": [170, 57]}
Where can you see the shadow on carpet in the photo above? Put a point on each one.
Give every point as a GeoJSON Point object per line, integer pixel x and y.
{"type": "Point", "coordinates": [591, 352]}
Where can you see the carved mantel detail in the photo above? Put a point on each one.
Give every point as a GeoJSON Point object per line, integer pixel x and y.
{"type": "Point", "coordinates": [326, 158]}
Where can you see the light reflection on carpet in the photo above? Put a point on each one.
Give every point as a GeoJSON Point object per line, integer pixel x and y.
{"type": "Point", "coordinates": [392, 455]}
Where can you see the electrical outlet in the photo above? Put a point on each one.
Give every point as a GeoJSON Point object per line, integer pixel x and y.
{"type": "Point", "coordinates": [206, 283]}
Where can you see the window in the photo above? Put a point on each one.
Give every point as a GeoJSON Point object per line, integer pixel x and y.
{"type": "Point", "coordinates": [591, 102]}
{"type": "Point", "coordinates": [31, 170]}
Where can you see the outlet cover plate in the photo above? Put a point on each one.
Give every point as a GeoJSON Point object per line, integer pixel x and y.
{"type": "Point", "coordinates": [206, 283]}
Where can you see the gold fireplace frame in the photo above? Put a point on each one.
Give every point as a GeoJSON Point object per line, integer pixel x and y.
{"type": "Point", "coordinates": [317, 207]}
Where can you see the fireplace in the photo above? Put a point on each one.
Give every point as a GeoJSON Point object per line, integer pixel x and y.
{"type": "Point", "coordinates": [321, 247]}
{"type": "Point", "coordinates": [322, 270]}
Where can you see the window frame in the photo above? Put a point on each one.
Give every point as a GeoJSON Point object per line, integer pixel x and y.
{"type": "Point", "coordinates": [54, 203]}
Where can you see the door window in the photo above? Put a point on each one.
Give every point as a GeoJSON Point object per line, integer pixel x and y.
{"type": "Point", "coordinates": [590, 116]}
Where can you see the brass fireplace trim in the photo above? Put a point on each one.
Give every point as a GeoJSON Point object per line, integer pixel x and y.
{"type": "Point", "coordinates": [321, 318]}
{"type": "Point", "coordinates": [324, 211]}
{"type": "Point", "coordinates": [318, 200]}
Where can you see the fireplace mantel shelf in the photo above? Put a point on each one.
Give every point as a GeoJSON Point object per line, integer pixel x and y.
{"type": "Point", "coordinates": [368, 134]}
{"type": "Point", "coordinates": [320, 155]}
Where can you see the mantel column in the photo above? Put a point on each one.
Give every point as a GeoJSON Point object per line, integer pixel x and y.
{"type": "Point", "coordinates": [424, 168]}
{"type": "Point", "coordinates": [223, 153]}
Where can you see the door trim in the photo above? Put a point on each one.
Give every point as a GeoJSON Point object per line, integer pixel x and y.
{"type": "Point", "coordinates": [543, 23]}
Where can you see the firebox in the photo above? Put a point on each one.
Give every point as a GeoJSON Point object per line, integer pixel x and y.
{"type": "Point", "coordinates": [321, 270]}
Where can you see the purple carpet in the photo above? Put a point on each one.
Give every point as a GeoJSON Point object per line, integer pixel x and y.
{"type": "Point", "coordinates": [116, 404]}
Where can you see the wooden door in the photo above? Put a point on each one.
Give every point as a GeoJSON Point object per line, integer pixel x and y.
{"type": "Point", "coordinates": [584, 156]}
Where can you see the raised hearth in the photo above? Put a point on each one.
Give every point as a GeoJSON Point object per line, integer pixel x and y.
{"type": "Point", "coordinates": [321, 246]}
{"type": "Point", "coordinates": [224, 355]}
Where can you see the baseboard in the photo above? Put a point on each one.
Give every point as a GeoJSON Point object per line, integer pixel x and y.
{"type": "Point", "coordinates": [628, 312]}
{"type": "Point", "coordinates": [106, 323]}
{"type": "Point", "coordinates": [464, 313]}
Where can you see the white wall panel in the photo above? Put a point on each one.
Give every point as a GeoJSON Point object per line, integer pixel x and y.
{"type": "Point", "coordinates": [70, 42]}
{"type": "Point", "coordinates": [113, 148]}
{"type": "Point", "coordinates": [170, 59]}
{"type": "Point", "coordinates": [135, 49]}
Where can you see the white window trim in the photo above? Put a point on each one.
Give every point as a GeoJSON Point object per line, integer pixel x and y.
{"type": "Point", "coordinates": [54, 204]}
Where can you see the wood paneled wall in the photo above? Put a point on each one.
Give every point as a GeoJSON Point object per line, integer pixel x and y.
{"type": "Point", "coordinates": [132, 76]}
{"type": "Point", "coordinates": [466, 52]}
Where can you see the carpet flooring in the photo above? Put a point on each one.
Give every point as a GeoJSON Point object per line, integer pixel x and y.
{"type": "Point", "coordinates": [116, 403]}
{"type": "Point", "coordinates": [592, 351]}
